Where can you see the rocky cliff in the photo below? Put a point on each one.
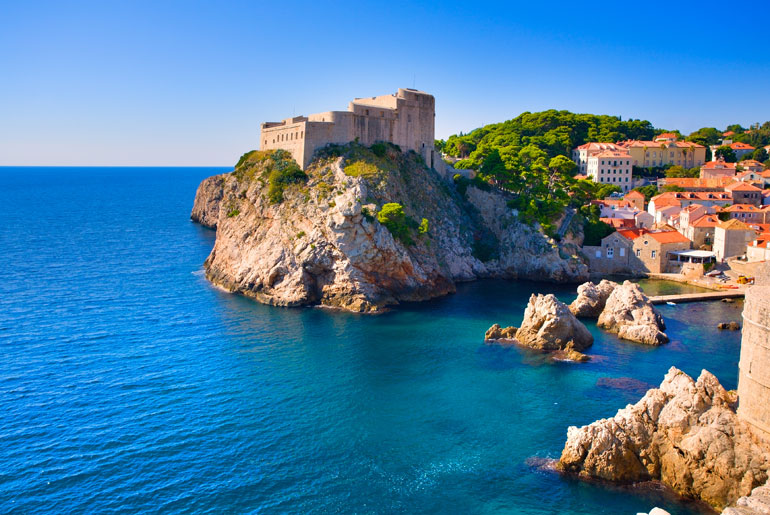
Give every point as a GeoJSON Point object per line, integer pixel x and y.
{"type": "Point", "coordinates": [685, 433]}
{"type": "Point", "coordinates": [290, 238]}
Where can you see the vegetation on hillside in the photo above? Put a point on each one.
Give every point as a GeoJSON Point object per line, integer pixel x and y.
{"type": "Point", "coordinates": [275, 167]}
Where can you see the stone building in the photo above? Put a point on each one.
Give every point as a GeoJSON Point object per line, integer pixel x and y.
{"type": "Point", "coordinates": [718, 168]}
{"type": "Point", "coordinates": [636, 252]}
{"type": "Point", "coordinates": [731, 239]}
{"type": "Point", "coordinates": [744, 193]}
{"type": "Point", "coordinates": [611, 167]}
{"type": "Point", "coordinates": [405, 118]}
{"type": "Point", "coordinates": [664, 151]}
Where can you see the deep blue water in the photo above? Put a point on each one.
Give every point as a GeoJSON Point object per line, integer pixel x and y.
{"type": "Point", "coordinates": [129, 384]}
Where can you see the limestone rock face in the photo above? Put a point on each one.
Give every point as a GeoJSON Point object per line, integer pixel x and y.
{"type": "Point", "coordinates": [592, 298]}
{"type": "Point", "coordinates": [630, 313]}
{"type": "Point", "coordinates": [757, 503]}
{"type": "Point", "coordinates": [685, 434]}
{"type": "Point", "coordinates": [550, 325]}
{"type": "Point", "coordinates": [207, 201]}
{"type": "Point", "coordinates": [322, 245]}
{"type": "Point", "coordinates": [497, 333]}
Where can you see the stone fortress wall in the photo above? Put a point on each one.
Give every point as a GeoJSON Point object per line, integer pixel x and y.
{"type": "Point", "coordinates": [405, 118]}
{"type": "Point", "coordinates": [754, 366]}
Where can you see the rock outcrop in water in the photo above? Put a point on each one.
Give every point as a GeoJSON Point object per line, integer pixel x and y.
{"type": "Point", "coordinates": [685, 434]}
{"type": "Point", "coordinates": [592, 298]}
{"type": "Point", "coordinates": [550, 325]}
{"type": "Point", "coordinates": [500, 334]}
{"type": "Point", "coordinates": [630, 313]}
{"type": "Point", "coordinates": [314, 237]}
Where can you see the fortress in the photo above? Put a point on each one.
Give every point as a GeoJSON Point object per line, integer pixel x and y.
{"type": "Point", "coordinates": [405, 118]}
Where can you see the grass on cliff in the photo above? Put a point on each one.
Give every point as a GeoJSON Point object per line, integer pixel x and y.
{"type": "Point", "coordinates": [276, 166]}
{"type": "Point", "coordinates": [361, 161]}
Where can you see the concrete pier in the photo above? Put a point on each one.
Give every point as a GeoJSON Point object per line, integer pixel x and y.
{"type": "Point", "coordinates": [697, 297]}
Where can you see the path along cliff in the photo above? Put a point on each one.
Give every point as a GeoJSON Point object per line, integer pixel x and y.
{"type": "Point", "coordinates": [365, 228]}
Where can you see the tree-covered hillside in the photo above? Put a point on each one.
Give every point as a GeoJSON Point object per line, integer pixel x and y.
{"type": "Point", "coordinates": [553, 132]}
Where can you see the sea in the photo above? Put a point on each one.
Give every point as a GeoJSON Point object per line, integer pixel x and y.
{"type": "Point", "coordinates": [128, 384]}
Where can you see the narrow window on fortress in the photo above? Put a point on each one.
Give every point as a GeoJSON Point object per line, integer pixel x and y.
{"type": "Point", "coordinates": [301, 134]}
{"type": "Point", "coordinates": [408, 118]}
{"type": "Point", "coordinates": [382, 114]}
{"type": "Point", "coordinates": [366, 112]}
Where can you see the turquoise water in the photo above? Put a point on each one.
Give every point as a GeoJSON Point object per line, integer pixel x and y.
{"type": "Point", "coordinates": [129, 384]}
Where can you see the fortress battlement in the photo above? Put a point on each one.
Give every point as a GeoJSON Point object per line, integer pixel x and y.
{"type": "Point", "coordinates": [405, 118]}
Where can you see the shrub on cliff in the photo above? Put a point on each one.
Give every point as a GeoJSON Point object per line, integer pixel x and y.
{"type": "Point", "coordinates": [283, 172]}
{"type": "Point", "coordinates": [400, 225]}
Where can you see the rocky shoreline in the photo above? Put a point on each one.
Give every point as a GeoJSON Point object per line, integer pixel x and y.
{"type": "Point", "coordinates": [685, 434]}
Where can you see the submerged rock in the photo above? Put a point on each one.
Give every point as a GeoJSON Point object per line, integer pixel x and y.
{"type": "Point", "coordinates": [629, 313]}
{"type": "Point", "coordinates": [570, 354]}
{"type": "Point", "coordinates": [685, 434]}
{"type": "Point", "coordinates": [497, 333]}
{"type": "Point", "coordinates": [731, 326]}
{"type": "Point", "coordinates": [592, 298]}
{"type": "Point", "coordinates": [550, 325]}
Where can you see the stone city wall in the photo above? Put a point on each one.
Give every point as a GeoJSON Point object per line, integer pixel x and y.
{"type": "Point", "coordinates": [754, 366]}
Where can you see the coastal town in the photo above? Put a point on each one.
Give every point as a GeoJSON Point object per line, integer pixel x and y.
{"type": "Point", "coordinates": [716, 224]}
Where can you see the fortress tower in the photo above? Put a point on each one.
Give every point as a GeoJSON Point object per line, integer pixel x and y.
{"type": "Point", "coordinates": [754, 366]}
{"type": "Point", "coordinates": [405, 118]}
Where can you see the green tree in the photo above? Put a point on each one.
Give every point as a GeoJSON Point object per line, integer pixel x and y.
{"type": "Point", "coordinates": [392, 216]}
{"type": "Point", "coordinates": [706, 136]}
{"type": "Point", "coordinates": [672, 187]}
{"type": "Point", "coordinates": [494, 168]}
{"type": "Point", "coordinates": [648, 191]}
{"type": "Point", "coordinates": [760, 155]}
{"type": "Point", "coordinates": [726, 153]}
{"type": "Point", "coordinates": [680, 171]}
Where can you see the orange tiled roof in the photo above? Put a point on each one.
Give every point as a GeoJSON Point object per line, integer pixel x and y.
{"type": "Point", "coordinates": [652, 145]}
{"type": "Point", "coordinates": [636, 194]}
{"type": "Point", "coordinates": [741, 208]}
{"type": "Point", "coordinates": [706, 221]}
{"type": "Point", "coordinates": [613, 153]}
{"type": "Point", "coordinates": [740, 146]}
{"type": "Point", "coordinates": [631, 234]}
{"type": "Point", "coordinates": [669, 237]}
{"type": "Point", "coordinates": [718, 164]}
{"type": "Point", "coordinates": [741, 186]}
{"type": "Point", "coordinates": [734, 225]}
{"type": "Point", "coordinates": [691, 195]}
{"type": "Point", "coordinates": [619, 223]}
{"type": "Point", "coordinates": [695, 182]}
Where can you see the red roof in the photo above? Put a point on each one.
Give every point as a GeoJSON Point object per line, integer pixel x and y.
{"type": "Point", "coordinates": [634, 193]}
{"type": "Point", "coordinates": [741, 186]}
{"type": "Point", "coordinates": [718, 164]}
{"type": "Point", "coordinates": [706, 221]}
{"type": "Point", "coordinates": [740, 146]}
{"type": "Point", "coordinates": [669, 237]}
{"type": "Point", "coordinates": [742, 208]}
{"type": "Point", "coordinates": [728, 133]}
{"type": "Point", "coordinates": [619, 223]}
{"type": "Point", "coordinates": [631, 234]}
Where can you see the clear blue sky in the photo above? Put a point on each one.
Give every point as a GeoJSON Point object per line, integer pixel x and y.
{"type": "Point", "coordinates": [188, 82]}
